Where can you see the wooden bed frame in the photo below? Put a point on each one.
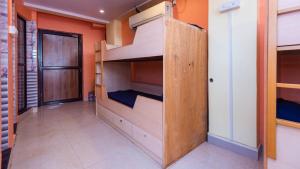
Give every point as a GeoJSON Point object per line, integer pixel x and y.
{"type": "Point", "coordinates": [148, 42]}
{"type": "Point", "coordinates": [170, 129]}
{"type": "Point", "coordinates": [283, 39]}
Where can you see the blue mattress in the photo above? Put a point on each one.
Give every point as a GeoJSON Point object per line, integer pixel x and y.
{"type": "Point", "coordinates": [128, 97]}
{"type": "Point", "coordinates": [288, 110]}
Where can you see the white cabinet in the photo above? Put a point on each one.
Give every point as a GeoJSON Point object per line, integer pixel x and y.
{"type": "Point", "coordinates": [233, 73]}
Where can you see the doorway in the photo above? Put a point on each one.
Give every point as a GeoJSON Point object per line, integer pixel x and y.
{"type": "Point", "coordinates": [60, 67]}
{"type": "Point", "coordinates": [21, 69]}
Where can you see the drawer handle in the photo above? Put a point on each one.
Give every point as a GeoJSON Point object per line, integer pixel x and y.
{"type": "Point", "coordinates": [121, 121]}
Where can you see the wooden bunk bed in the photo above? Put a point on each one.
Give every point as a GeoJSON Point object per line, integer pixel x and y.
{"type": "Point", "coordinates": [283, 71]}
{"type": "Point", "coordinates": [166, 121]}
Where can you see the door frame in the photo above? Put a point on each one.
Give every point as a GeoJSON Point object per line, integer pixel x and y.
{"type": "Point", "coordinates": [41, 32]}
{"type": "Point", "coordinates": [21, 111]}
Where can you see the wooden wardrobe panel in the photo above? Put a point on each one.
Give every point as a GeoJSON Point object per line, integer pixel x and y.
{"type": "Point", "coordinates": [185, 90]}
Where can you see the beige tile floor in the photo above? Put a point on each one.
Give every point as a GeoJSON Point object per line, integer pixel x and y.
{"type": "Point", "coordinates": [69, 136]}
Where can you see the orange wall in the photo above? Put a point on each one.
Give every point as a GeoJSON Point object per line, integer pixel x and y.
{"type": "Point", "coordinates": [89, 35]}
{"type": "Point", "coordinates": [127, 33]}
{"type": "Point", "coordinates": [23, 11]}
{"type": "Point", "coordinates": [153, 72]}
{"type": "Point", "coordinates": [288, 72]}
{"type": "Point", "coordinates": [192, 11]}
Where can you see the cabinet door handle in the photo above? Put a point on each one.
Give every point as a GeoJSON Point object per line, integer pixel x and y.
{"type": "Point", "coordinates": [211, 80]}
{"type": "Point", "coordinates": [121, 121]}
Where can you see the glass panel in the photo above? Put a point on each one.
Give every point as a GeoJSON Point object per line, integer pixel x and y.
{"type": "Point", "coordinates": [21, 46]}
{"type": "Point", "coordinates": [21, 88]}
{"type": "Point", "coordinates": [21, 41]}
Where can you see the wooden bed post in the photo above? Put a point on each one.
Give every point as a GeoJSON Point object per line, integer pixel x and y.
{"type": "Point", "coordinates": [103, 50]}
{"type": "Point", "coordinates": [185, 90]}
{"type": "Point", "coordinates": [10, 79]}
{"type": "Point", "coordinates": [272, 80]}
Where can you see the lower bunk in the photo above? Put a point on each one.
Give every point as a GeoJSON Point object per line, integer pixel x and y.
{"type": "Point", "coordinates": [128, 97]}
{"type": "Point", "coordinates": [138, 116]}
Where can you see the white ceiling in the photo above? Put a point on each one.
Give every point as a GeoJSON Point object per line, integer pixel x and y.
{"type": "Point", "coordinates": [86, 9]}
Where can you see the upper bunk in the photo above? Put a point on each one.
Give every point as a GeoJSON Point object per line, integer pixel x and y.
{"type": "Point", "coordinates": [149, 41]}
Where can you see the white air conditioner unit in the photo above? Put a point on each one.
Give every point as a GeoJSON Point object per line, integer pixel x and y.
{"type": "Point", "coordinates": [162, 9]}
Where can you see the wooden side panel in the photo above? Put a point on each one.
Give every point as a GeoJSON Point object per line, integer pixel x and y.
{"type": "Point", "coordinates": [272, 79]}
{"type": "Point", "coordinates": [185, 89]}
{"type": "Point", "coordinates": [285, 4]}
{"type": "Point", "coordinates": [148, 42]}
{"type": "Point", "coordinates": [288, 29]}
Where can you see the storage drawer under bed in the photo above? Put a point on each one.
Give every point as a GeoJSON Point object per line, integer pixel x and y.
{"type": "Point", "coordinates": [148, 141]}
{"type": "Point", "coordinates": [122, 124]}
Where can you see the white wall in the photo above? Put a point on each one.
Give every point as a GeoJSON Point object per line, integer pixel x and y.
{"type": "Point", "coordinates": [244, 83]}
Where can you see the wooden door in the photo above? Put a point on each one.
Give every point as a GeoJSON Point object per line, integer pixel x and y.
{"type": "Point", "coordinates": [60, 67]}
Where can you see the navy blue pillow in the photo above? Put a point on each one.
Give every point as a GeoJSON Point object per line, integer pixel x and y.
{"type": "Point", "coordinates": [288, 110]}
{"type": "Point", "coordinates": [128, 97]}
